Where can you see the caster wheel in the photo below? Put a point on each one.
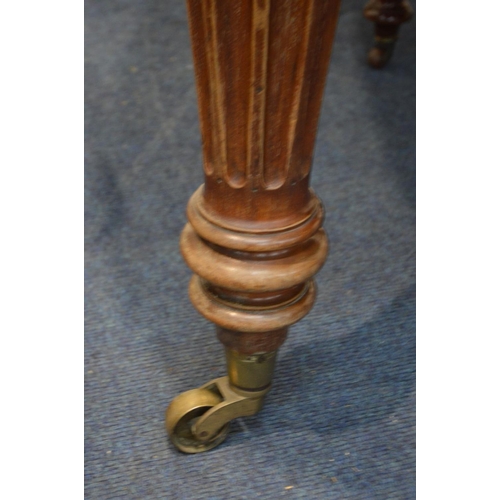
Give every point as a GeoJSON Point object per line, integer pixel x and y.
{"type": "Point", "coordinates": [182, 414]}
{"type": "Point", "coordinates": [378, 57]}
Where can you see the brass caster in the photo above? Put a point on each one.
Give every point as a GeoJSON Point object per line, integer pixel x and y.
{"type": "Point", "coordinates": [181, 415]}
{"type": "Point", "coordinates": [380, 55]}
{"type": "Point", "coordinates": [198, 420]}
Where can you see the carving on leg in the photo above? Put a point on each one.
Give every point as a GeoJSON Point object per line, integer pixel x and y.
{"type": "Point", "coordinates": [387, 15]}
{"type": "Point", "coordinates": [253, 239]}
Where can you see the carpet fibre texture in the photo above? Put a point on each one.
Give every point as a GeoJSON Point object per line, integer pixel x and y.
{"type": "Point", "coordinates": [339, 422]}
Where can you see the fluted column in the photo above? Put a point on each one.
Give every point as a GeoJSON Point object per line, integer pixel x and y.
{"type": "Point", "coordinates": [254, 237]}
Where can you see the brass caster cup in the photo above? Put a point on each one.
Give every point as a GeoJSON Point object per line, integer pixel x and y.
{"type": "Point", "coordinates": [198, 420]}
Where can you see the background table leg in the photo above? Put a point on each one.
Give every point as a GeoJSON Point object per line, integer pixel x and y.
{"type": "Point", "coordinates": [387, 15]}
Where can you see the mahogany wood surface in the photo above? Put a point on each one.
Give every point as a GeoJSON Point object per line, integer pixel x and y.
{"type": "Point", "coordinates": [254, 237]}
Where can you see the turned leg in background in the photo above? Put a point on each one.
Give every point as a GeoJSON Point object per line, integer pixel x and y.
{"type": "Point", "coordinates": [253, 238]}
{"type": "Point", "coordinates": [387, 15]}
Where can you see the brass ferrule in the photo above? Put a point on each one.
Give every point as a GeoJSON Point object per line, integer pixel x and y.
{"type": "Point", "coordinates": [250, 372]}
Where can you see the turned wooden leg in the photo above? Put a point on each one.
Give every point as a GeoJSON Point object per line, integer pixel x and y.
{"type": "Point", "coordinates": [387, 15]}
{"type": "Point", "coordinates": [254, 238]}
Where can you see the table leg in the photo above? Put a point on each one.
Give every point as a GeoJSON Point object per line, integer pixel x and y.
{"type": "Point", "coordinates": [387, 15]}
{"type": "Point", "coordinates": [254, 238]}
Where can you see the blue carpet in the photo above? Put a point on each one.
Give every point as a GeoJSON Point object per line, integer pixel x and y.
{"type": "Point", "coordinates": [340, 420]}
